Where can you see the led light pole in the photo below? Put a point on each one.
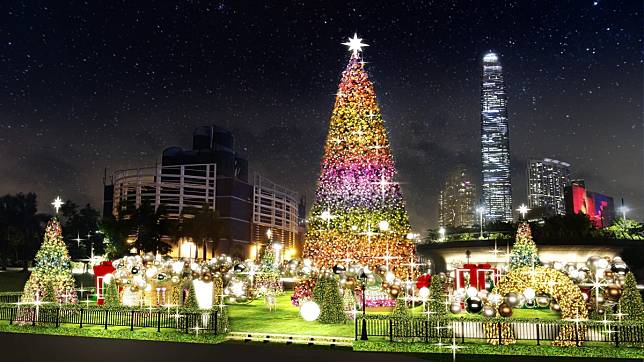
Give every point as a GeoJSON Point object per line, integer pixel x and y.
{"type": "Point", "coordinates": [363, 335]}
{"type": "Point", "coordinates": [480, 210]}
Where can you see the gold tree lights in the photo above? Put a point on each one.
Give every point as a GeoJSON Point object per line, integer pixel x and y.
{"type": "Point", "coordinates": [358, 215]}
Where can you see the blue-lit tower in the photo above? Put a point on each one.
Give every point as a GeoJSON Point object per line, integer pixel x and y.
{"type": "Point", "coordinates": [495, 142]}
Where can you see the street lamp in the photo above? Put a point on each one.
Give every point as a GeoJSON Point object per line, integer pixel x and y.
{"type": "Point", "coordinates": [441, 233]}
{"type": "Point", "coordinates": [623, 209]}
{"type": "Point", "coordinates": [363, 278]}
{"type": "Point", "coordinates": [480, 210]}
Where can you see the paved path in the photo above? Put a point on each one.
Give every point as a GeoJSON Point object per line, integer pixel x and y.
{"type": "Point", "coordinates": [33, 347]}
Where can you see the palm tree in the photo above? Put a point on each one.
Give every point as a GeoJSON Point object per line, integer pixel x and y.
{"type": "Point", "coordinates": [205, 227]}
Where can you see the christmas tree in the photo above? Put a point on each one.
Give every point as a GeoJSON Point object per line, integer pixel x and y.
{"type": "Point", "coordinates": [267, 279]}
{"type": "Point", "coordinates": [111, 294]}
{"type": "Point", "coordinates": [358, 210]}
{"type": "Point", "coordinates": [51, 279]}
{"type": "Point", "coordinates": [327, 295]}
{"type": "Point", "coordinates": [349, 302]}
{"type": "Point", "coordinates": [191, 300]}
{"type": "Point", "coordinates": [630, 303]}
{"type": "Point", "coordinates": [524, 251]}
{"type": "Point", "coordinates": [436, 305]}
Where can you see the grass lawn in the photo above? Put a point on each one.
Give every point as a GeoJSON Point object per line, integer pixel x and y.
{"type": "Point", "coordinates": [255, 317]}
{"type": "Point", "coordinates": [14, 281]}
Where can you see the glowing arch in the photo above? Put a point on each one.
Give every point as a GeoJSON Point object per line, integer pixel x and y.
{"type": "Point", "coordinates": [556, 284]}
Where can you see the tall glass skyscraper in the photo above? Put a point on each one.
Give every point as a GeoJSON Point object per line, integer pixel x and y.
{"type": "Point", "coordinates": [495, 142]}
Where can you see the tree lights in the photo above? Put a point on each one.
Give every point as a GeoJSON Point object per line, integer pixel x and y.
{"type": "Point", "coordinates": [359, 209]}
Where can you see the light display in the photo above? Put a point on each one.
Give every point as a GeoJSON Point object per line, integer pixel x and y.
{"type": "Point", "coordinates": [52, 277]}
{"type": "Point", "coordinates": [599, 208]}
{"type": "Point", "coordinates": [524, 251]}
{"type": "Point", "coordinates": [356, 188]}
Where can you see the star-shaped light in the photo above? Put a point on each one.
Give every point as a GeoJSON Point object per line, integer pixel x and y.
{"type": "Point", "coordinates": [523, 210]}
{"type": "Point", "coordinates": [58, 202]}
{"type": "Point", "coordinates": [355, 44]}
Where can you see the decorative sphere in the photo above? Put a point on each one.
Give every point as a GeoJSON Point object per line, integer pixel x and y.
{"type": "Point", "coordinates": [134, 270]}
{"type": "Point", "coordinates": [489, 311]}
{"type": "Point", "coordinates": [175, 280]}
{"type": "Point", "coordinates": [494, 298]}
{"type": "Point", "coordinates": [337, 269]}
{"type": "Point", "coordinates": [543, 300]}
{"type": "Point", "coordinates": [619, 268]}
{"type": "Point", "coordinates": [206, 277]}
{"type": "Point", "coordinates": [529, 293]}
{"type": "Point", "coordinates": [512, 299]}
{"type": "Point", "coordinates": [390, 277]}
{"type": "Point", "coordinates": [471, 292]}
{"type": "Point", "coordinates": [108, 278]}
{"type": "Point", "coordinates": [310, 311]}
{"type": "Point", "coordinates": [554, 306]}
{"type": "Point", "coordinates": [473, 305]}
{"type": "Point", "coordinates": [423, 292]}
{"type": "Point", "coordinates": [505, 310]}
{"type": "Point", "coordinates": [613, 292]}
{"type": "Point", "coordinates": [455, 308]}
{"type": "Point", "coordinates": [161, 276]}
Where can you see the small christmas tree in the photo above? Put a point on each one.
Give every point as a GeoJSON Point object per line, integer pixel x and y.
{"type": "Point", "coordinates": [111, 295]}
{"type": "Point", "coordinates": [630, 302]}
{"type": "Point", "coordinates": [349, 302]}
{"type": "Point", "coordinates": [327, 295]}
{"type": "Point", "coordinates": [217, 291]}
{"type": "Point", "coordinates": [52, 279]}
{"type": "Point", "coordinates": [191, 300]}
{"type": "Point", "coordinates": [524, 252]}
{"type": "Point", "coordinates": [267, 279]}
{"type": "Point", "coordinates": [176, 294]}
{"type": "Point", "coordinates": [400, 324]}
{"type": "Point", "coordinates": [436, 305]}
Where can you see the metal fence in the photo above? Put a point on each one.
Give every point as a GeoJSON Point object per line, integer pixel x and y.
{"type": "Point", "coordinates": [419, 329]}
{"type": "Point", "coordinates": [10, 297]}
{"type": "Point", "coordinates": [188, 322]}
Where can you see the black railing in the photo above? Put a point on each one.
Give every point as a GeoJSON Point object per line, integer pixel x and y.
{"type": "Point", "coordinates": [188, 321]}
{"type": "Point", "coordinates": [498, 331]}
{"type": "Point", "coordinates": [10, 297]}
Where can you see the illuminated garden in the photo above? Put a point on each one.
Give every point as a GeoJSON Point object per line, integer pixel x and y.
{"type": "Point", "coordinates": [358, 281]}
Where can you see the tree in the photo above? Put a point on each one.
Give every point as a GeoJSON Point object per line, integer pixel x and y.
{"type": "Point", "coordinates": [20, 226]}
{"type": "Point", "coordinates": [524, 251]}
{"type": "Point", "coordinates": [205, 227]}
{"type": "Point", "coordinates": [191, 299]}
{"type": "Point", "coordinates": [267, 279]}
{"type": "Point", "coordinates": [150, 226]}
{"type": "Point", "coordinates": [349, 302]}
{"type": "Point", "coordinates": [116, 231]}
{"type": "Point", "coordinates": [436, 304]}
{"type": "Point", "coordinates": [111, 295]}
{"type": "Point", "coordinates": [356, 188]}
{"type": "Point", "coordinates": [81, 223]}
{"type": "Point", "coordinates": [624, 229]}
{"type": "Point", "coordinates": [630, 303]}
{"type": "Point", "coordinates": [52, 275]}
{"type": "Point", "coordinates": [327, 295]}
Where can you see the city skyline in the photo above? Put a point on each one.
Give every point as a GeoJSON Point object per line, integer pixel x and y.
{"type": "Point", "coordinates": [78, 99]}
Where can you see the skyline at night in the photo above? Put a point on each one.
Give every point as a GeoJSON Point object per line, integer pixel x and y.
{"type": "Point", "coordinates": [111, 86]}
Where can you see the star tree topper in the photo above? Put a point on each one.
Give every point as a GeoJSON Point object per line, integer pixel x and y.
{"type": "Point", "coordinates": [355, 44]}
{"type": "Point", "coordinates": [58, 202]}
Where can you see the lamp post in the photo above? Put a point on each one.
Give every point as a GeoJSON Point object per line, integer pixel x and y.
{"type": "Point", "coordinates": [623, 209]}
{"type": "Point", "coordinates": [363, 335]}
{"type": "Point", "coordinates": [441, 233]}
{"type": "Point", "coordinates": [480, 210]}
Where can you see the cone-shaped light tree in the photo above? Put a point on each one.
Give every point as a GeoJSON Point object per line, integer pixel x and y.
{"type": "Point", "coordinates": [524, 251]}
{"type": "Point", "coordinates": [358, 210]}
{"type": "Point", "coordinates": [51, 279]}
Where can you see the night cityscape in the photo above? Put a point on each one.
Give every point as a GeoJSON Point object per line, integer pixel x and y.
{"type": "Point", "coordinates": [449, 181]}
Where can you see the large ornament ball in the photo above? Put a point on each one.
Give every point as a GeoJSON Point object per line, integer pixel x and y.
{"type": "Point", "coordinates": [148, 258]}
{"type": "Point", "coordinates": [239, 268]}
{"type": "Point", "coordinates": [613, 292]}
{"type": "Point", "coordinates": [206, 277]}
{"type": "Point", "coordinates": [489, 311]}
{"type": "Point", "coordinates": [423, 292]}
{"type": "Point", "coordinates": [473, 305]}
{"type": "Point", "coordinates": [512, 299]}
{"type": "Point", "coordinates": [620, 269]}
{"type": "Point", "coordinates": [134, 270]}
{"type": "Point", "coordinates": [543, 301]}
{"type": "Point", "coordinates": [337, 269]}
{"type": "Point", "coordinates": [505, 310]}
{"type": "Point", "coordinates": [608, 274]}
{"type": "Point", "coordinates": [455, 308]}
{"type": "Point", "coordinates": [471, 292]}
{"type": "Point", "coordinates": [310, 311]}
{"type": "Point", "coordinates": [529, 293]}
{"type": "Point", "coordinates": [161, 276]}
{"type": "Point", "coordinates": [555, 307]}
{"type": "Point", "coordinates": [175, 280]}
{"type": "Point", "coordinates": [494, 298]}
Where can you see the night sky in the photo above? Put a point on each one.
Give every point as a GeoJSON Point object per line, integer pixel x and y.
{"type": "Point", "coordinates": [91, 85]}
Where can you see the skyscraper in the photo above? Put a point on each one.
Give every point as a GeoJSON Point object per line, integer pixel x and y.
{"type": "Point", "coordinates": [547, 179]}
{"type": "Point", "coordinates": [495, 142]}
{"type": "Point", "coordinates": [456, 203]}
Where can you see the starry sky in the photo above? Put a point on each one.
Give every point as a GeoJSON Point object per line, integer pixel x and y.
{"type": "Point", "coordinates": [86, 86]}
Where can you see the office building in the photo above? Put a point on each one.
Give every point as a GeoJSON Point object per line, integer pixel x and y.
{"type": "Point", "coordinates": [547, 179]}
{"type": "Point", "coordinates": [456, 206]}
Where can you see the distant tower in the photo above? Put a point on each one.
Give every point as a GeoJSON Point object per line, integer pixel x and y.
{"type": "Point", "coordinates": [547, 179]}
{"type": "Point", "coordinates": [495, 142]}
{"type": "Point", "coordinates": [456, 204]}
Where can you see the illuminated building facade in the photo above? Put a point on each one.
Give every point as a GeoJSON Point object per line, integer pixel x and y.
{"type": "Point", "coordinates": [456, 205]}
{"type": "Point", "coordinates": [598, 207]}
{"type": "Point", "coordinates": [547, 179]}
{"type": "Point", "coordinates": [495, 142]}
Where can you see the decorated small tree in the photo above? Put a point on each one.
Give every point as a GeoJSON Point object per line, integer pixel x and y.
{"type": "Point", "coordinates": [327, 295]}
{"type": "Point", "coordinates": [400, 322]}
{"type": "Point", "coordinates": [267, 279]}
{"type": "Point", "coordinates": [630, 302]}
{"type": "Point", "coordinates": [51, 279]}
{"type": "Point", "coordinates": [524, 251]}
{"type": "Point", "coordinates": [191, 299]}
{"type": "Point", "coordinates": [111, 295]}
{"type": "Point", "coordinates": [436, 305]}
{"type": "Point", "coordinates": [349, 303]}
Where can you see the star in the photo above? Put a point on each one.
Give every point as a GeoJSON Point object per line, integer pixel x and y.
{"type": "Point", "coordinates": [58, 202]}
{"type": "Point", "coordinates": [523, 210]}
{"type": "Point", "coordinates": [355, 45]}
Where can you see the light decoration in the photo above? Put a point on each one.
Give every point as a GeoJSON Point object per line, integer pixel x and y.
{"type": "Point", "coordinates": [356, 184]}
{"type": "Point", "coordinates": [310, 311]}
{"type": "Point", "coordinates": [57, 204]}
{"type": "Point", "coordinates": [523, 210]}
{"type": "Point", "coordinates": [52, 273]}
{"type": "Point", "coordinates": [524, 251]}
{"type": "Point", "coordinates": [204, 292]}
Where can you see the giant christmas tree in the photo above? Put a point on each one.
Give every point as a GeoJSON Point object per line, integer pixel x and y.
{"type": "Point", "coordinates": [358, 212]}
{"type": "Point", "coordinates": [51, 279]}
